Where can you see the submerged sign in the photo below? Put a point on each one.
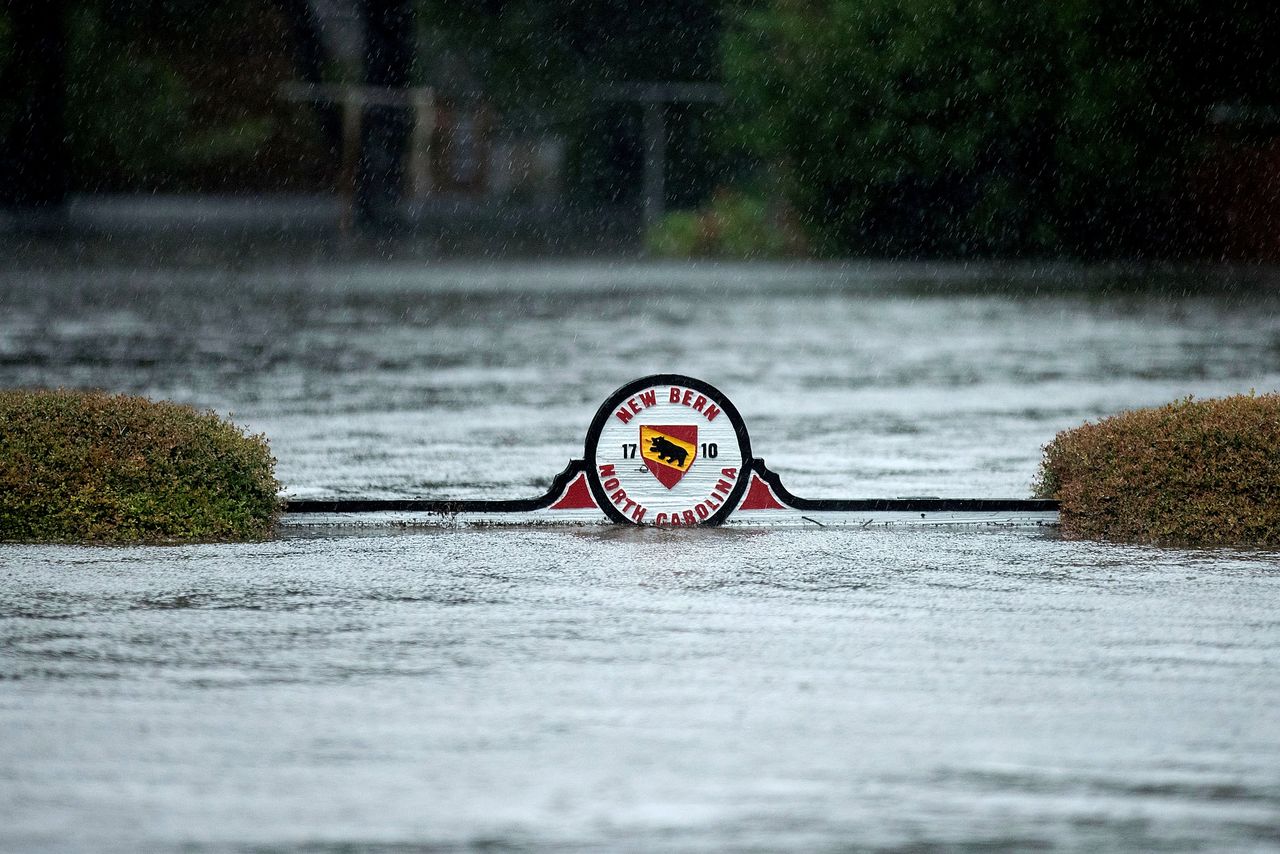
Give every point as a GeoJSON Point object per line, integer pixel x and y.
{"type": "Point", "coordinates": [672, 451]}
{"type": "Point", "coordinates": [667, 450]}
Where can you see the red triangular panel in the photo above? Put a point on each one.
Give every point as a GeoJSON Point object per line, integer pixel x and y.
{"type": "Point", "coordinates": [760, 496]}
{"type": "Point", "coordinates": [577, 496]}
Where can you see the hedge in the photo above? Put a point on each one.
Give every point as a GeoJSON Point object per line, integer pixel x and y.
{"type": "Point", "coordinates": [1194, 472]}
{"type": "Point", "coordinates": [92, 467]}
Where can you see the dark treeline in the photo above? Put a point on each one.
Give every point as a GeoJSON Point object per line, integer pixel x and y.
{"type": "Point", "coordinates": [886, 127]}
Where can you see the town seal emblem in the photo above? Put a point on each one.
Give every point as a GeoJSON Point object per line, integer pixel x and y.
{"type": "Point", "coordinates": [668, 450]}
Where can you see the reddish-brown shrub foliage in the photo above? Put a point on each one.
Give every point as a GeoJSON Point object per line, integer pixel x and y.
{"type": "Point", "coordinates": [1194, 472]}
{"type": "Point", "coordinates": [92, 467]}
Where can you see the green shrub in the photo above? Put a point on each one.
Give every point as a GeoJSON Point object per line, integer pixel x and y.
{"type": "Point", "coordinates": [678, 235]}
{"type": "Point", "coordinates": [1195, 472]}
{"type": "Point", "coordinates": [92, 467]}
{"type": "Point", "coordinates": [732, 225]}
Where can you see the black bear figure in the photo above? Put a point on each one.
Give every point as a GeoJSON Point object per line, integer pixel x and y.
{"type": "Point", "coordinates": [668, 452]}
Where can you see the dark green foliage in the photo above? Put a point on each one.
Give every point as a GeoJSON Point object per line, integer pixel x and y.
{"type": "Point", "coordinates": [91, 467]}
{"type": "Point", "coordinates": [1197, 472]}
{"type": "Point", "coordinates": [106, 71]}
{"type": "Point", "coordinates": [1006, 127]}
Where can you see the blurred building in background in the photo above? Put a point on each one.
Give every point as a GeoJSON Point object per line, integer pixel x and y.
{"type": "Point", "coordinates": [497, 107]}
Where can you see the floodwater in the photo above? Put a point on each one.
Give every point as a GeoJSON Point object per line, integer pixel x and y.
{"type": "Point", "coordinates": [640, 690]}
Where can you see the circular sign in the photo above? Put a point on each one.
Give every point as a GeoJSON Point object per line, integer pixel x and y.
{"type": "Point", "coordinates": [668, 450]}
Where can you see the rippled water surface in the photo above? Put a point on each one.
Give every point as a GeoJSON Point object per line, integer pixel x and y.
{"type": "Point", "coordinates": [618, 689]}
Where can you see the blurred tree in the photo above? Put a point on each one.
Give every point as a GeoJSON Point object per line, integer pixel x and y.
{"type": "Point", "coordinates": [389, 49]}
{"type": "Point", "coordinates": [552, 58]}
{"type": "Point", "coordinates": [925, 127]}
{"type": "Point", "coordinates": [107, 95]}
{"type": "Point", "coordinates": [552, 54]}
{"type": "Point", "coordinates": [34, 159]}
{"type": "Point", "coordinates": [134, 95]}
{"type": "Point", "coordinates": [112, 64]}
{"type": "Point", "coordinates": [623, 42]}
